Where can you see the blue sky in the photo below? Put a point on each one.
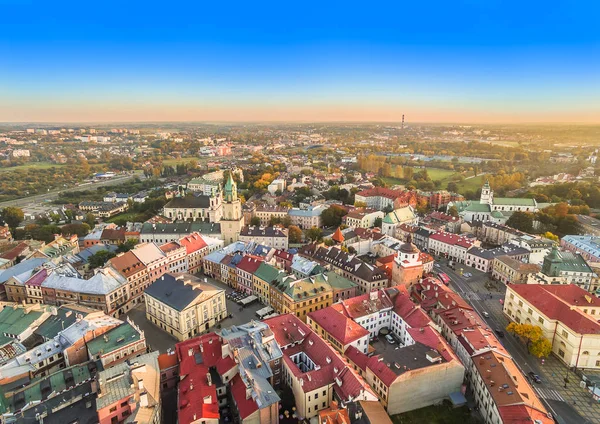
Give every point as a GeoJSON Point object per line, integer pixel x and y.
{"type": "Point", "coordinates": [466, 60]}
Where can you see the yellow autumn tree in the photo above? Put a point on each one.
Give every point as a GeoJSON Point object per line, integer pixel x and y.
{"type": "Point", "coordinates": [533, 337]}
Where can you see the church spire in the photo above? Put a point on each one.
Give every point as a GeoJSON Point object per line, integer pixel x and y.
{"type": "Point", "coordinates": [230, 191]}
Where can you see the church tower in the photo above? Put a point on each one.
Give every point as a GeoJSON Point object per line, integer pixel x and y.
{"type": "Point", "coordinates": [233, 219]}
{"type": "Point", "coordinates": [487, 194]}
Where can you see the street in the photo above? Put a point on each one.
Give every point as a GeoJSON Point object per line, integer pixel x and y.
{"type": "Point", "coordinates": [570, 405]}
{"type": "Point", "coordinates": [51, 195]}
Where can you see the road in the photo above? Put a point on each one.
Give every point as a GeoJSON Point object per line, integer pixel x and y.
{"type": "Point", "coordinates": [473, 290]}
{"type": "Point", "coordinates": [51, 195]}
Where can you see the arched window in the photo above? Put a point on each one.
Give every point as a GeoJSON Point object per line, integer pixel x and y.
{"type": "Point", "coordinates": [562, 344]}
{"type": "Point", "coordinates": [585, 352]}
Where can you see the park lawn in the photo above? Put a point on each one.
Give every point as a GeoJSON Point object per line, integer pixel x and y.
{"type": "Point", "coordinates": [174, 162]}
{"type": "Point", "coordinates": [129, 216]}
{"type": "Point", "coordinates": [470, 184]}
{"type": "Point", "coordinates": [438, 174]}
{"type": "Point", "coordinates": [443, 414]}
{"type": "Point", "coordinates": [32, 165]}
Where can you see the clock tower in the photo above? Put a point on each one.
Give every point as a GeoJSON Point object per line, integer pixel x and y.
{"type": "Point", "coordinates": [232, 221]}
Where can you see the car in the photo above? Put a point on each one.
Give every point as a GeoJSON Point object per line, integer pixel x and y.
{"type": "Point", "coordinates": [534, 377]}
{"type": "Point", "coordinates": [437, 265]}
{"type": "Point", "coordinates": [499, 332]}
{"type": "Point", "coordinates": [485, 314]}
{"type": "Point", "coordinates": [390, 339]}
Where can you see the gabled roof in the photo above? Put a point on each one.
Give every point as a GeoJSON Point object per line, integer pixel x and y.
{"type": "Point", "coordinates": [340, 327]}
{"type": "Point", "coordinates": [249, 264]}
{"type": "Point", "coordinates": [192, 243]}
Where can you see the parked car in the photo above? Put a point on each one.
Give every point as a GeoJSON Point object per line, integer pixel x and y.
{"type": "Point", "coordinates": [485, 314]}
{"type": "Point", "coordinates": [390, 339]}
{"type": "Point", "coordinates": [499, 332]}
{"type": "Point", "coordinates": [436, 265]}
{"type": "Point", "coordinates": [534, 377]}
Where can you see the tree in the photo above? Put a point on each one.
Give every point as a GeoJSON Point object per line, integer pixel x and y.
{"type": "Point", "coordinates": [541, 349]}
{"type": "Point", "coordinates": [378, 222]}
{"type": "Point", "coordinates": [294, 234]}
{"type": "Point", "coordinates": [452, 211]}
{"type": "Point", "coordinates": [127, 246]}
{"type": "Point", "coordinates": [90, 219]}
{"type": "Point", "coordinates": [332, 216]}
{"type": "Point", "coordinates": [550, 236]}
{"type": "Point", "coordinates": [533, 337]}
{"type": "Point", "coordinates": [13, 216]}
{"type": "Point", "coordinates": [286, 221]}
{"type": "Point", "coordinates": [521, 221]}
{"type": "Point", "coordinates": [255, 220]}
{"type": "Point", "coordinates": [314, 234]}
{"type": "Point", "coordinates": [55, 217]}
{"type": "Point", "coordinates": [360, 204]}
{"type": "Point", "coordinates": [351, 250]}
{"type": "Point", "coordinates": [452, 187]}
{"type": "Point", "coordinates": [99, 258]}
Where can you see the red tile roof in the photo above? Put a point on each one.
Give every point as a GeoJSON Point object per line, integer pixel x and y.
{"type": "Point", "coordinates": [196, 356]}
{"type": "Point", "coordinates": [249, 264]}
{"type": "Point", "coordinates": [340, 327]}
{"type": "Point", "coordinates": [452, 239]}
{"type": "Point", "coordinates": [192, 243]}
{"type": "Point", "coordinates": [358, 357]}
{"type": "Point", "coordinates": [545, 299]}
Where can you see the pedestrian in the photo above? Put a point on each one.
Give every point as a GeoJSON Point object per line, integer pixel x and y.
{"type": "Point", "coordinates": [542, 361]}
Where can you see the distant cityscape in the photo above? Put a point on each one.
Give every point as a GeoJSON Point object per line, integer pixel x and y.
{"type": "Point", "coordinates": [285, 273]}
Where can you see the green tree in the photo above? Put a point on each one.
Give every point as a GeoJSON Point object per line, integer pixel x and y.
{"type": "Point", "coordinates": [314, 234]}
{"type": "Point", "coordinates": [55, 217]}
{"type": "Point", "coordinates": [127, 246]}
{"type": "Point", "coordinates": [522, 221]}
{"type": "Point", "coordinates": [332, 216]}
{"type": "Point", "coordinates": [378, 222]}
{"type": "Point", "coordinates": [452, 187]}
{"type": "Point", "coordinates": [255, 220]}
{"type": "Point", "coordinates": [13, 216]}
{"type": "Point", "coordinates": [99, 258]}
{"type": "Point", "coordinates": [452, 211]}
{"type": "Point", "coordinates": [90, 219]}
{"type": "Point", "coordinates": [294, 234]}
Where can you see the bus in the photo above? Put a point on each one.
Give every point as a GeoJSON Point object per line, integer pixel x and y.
{"type": "Point", "coordinates": [445, 279]}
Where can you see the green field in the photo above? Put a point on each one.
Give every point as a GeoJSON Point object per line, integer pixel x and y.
{"type": "Point", "coordinates": [470, 184]}
{"type": "Point", "coordinates": [32, 165]}
{"type": "Point", "coordinates": [174, 162]}
{"type": "Point", "coordinates": [443, 414]}
{"type": "Point", "coordinates": [128, 216]}
{"type": "Point", "coordinates": [436, 174]}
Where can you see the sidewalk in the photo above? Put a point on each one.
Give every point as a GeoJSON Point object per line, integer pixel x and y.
{"type": "Point", "coordinates": [553, 372]}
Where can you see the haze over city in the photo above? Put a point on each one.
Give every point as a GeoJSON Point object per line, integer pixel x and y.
{"type": "Point", "coordinates": [437, 61]}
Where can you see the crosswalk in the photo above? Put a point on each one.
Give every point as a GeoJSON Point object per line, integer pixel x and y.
{"type": "Point", "coordinates": [549, 394]}
{"type": "Point", "coordinates": [469, 294]}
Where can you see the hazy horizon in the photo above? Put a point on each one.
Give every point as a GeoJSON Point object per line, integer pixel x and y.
{"type": "Point", "coordinates": [464, 62]}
